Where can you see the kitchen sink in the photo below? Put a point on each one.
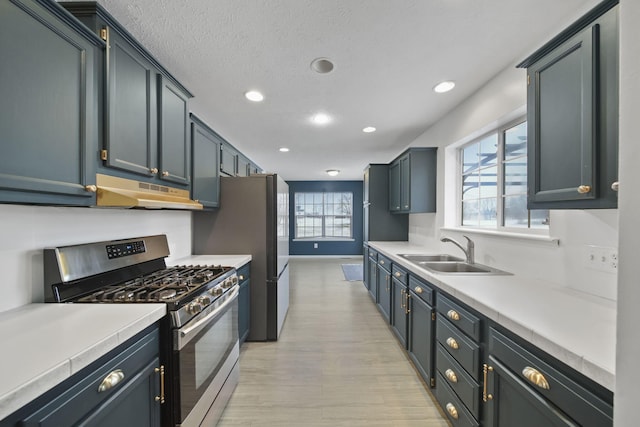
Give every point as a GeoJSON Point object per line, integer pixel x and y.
{"type": "Point", "coordinates": [420, 259]}
{"type": "Point", "coordinates": [447, 264]}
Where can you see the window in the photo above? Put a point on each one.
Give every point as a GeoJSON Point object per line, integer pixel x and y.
{"type": "Point", "coordinates": [324, 215]}
{"type": "Point", "coordinates": [494, 182]}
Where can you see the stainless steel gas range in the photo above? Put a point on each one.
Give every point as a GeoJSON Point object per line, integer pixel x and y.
{"type": "Point", "coordinates": [199, 335]}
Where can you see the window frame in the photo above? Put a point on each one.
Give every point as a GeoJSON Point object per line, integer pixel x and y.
{"type": "Point", "coordinates": [324, 216]}
{"type": "Point", "coordinates": [499, 227]}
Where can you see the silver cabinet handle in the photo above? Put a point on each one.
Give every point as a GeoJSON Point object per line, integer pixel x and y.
{"type": "Point", "coordinates": [111, 380]}
{"type": "Point", "coordinates": [615, 186]}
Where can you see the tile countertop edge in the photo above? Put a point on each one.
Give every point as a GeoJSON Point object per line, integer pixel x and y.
{"type": "Point", "coordinates": [235, 261]}
{"type": "Point", "coordinates": [599, 369]}
{"type": "Point", "coordinates": [49, 373]}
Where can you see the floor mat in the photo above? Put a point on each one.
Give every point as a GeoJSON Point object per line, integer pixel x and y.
{"type": "Point", "coordinates": [352, 272]}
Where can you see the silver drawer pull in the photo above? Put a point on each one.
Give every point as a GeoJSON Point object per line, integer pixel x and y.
{"type": "Point", "coordinates": [451, 342]}
{"type": "Point", "coordinates": [452, 410]}
{"type": "Point", "coordinates": [418, 290]}
{"type": "Point", "coordinates": [535, 377]}
{"type": "Point", "coordinates": [398, 274]}
{"type": "Point", "coordinates": [111, 380]}
{"type": "Point", "coordinates": [453, 315]}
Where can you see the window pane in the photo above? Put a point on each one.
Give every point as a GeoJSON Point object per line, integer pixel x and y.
{"type": "Point", "coordinates": [489, 150]}
{"type": "Point", "coordinates": [487, 211]}
{"type": "Point", "coordinates": [470, 158]}
{"type": "Point", "coordinates": [515, 141]}
{"type": "Point", "coordinates": [470, 187]}
{"type": "Point", "coordinates": [317, 198]}
{"type": "Point", "coordinates": [488, 182]}
{"type": "Point", "coordinates": [515, 177]}
{"type": "Point", "coordinates": [470, 212]}
{"type": "Point", "coordinates": [515, 211]}
{"type": "Point", "coordinates": [539, 218]}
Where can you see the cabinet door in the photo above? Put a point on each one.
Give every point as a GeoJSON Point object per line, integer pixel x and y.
{"type": "Point", "coordinates": [48, 123]}
{"type": "Point", "coordinates": [420, 345]}
{"type": "Point", "coordinates": [563, 95]}
{"type": "Point", "coordinates": [205, 186]}
{"type": "Point", "coordinates": [134, 405]}
{"type": "Point", "coordinates": [373, 279]}
{"type": "Point", "coordinates": [244, 310]}
{"type": "Point", "coordinates": [513, 403]}
{"type": "Point", "coordinates": [173, 133]}
{"type": "Point", "coordinates": [131, 129]}
{"type": "Point", "coordinates": [384, 292]}
{"type": "Point", "coordinates": [399, 312]}
{"type": "Point", "coordinates": [394, 187]}
{"type": "Point", "coordinates": [405, 183]}
{"type": "Point", "coordinates": [228, 159]}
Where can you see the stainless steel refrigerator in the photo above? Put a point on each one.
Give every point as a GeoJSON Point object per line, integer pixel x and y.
{"type": "Point", "coordinates": [253, 218]}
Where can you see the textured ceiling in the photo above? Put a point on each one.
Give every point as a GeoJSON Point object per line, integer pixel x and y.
{"type": "Point", "coordinates": [388, 55]}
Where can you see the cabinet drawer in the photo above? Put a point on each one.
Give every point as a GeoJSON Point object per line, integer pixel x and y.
{"type": "Point", "coordinates": [81, 398]}
{"type": "Point", "coordinates": [465, 387]}
{"type": "Point", "coordinates": [576, 401]}
{"type": "Point", "coordinates": [384, 262]}
{"type": "Point", "coordinates": [455, 410]}
{"type": "Point", "coordinates": [458, 345]}
{"type": "Point", "coordinates": [399, 274]}
{"type": "Point", "coordinates": [373, 255]}
{"type": "Point", "coordinates": [244, 272]}
{"type": "Point", "coordinates": [421, 289]}
{"type": "Point", "coordinates": [459, 316]}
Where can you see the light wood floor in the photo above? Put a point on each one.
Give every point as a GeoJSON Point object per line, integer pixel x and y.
{"type": "Point", "coordinates": [336, 364]}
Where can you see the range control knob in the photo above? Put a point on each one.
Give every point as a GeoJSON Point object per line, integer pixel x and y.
{"type": "Point", "coordinates": [226, 284]}
{"type": "Point", "coordinates": [204, 300]}
{"type": "Point", "coordinates": [234, 280]}
{"type": "Point", "coordinates": [216, 291]}
{"type": "Point", "coordinates": [194, 308]}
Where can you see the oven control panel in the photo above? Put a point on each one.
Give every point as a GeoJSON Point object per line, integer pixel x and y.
{"type": "Point", "coordinates": [120, 250]}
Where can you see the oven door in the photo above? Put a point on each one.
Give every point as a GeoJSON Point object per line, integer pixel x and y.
{"type": "Point", "coordinates": [205, 355]}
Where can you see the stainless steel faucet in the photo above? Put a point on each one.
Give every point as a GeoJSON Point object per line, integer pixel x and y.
{"type": "Point", "coordinates": [469, 252]}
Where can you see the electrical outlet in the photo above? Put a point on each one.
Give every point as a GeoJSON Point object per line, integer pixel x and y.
{"type": "Point", "coordinates": [315, 246]}
{"type": "Point", "coordinates": [601, 258]}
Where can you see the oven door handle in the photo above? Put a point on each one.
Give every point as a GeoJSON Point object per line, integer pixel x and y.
{"type": "Point", "coordinates": [232, 295]}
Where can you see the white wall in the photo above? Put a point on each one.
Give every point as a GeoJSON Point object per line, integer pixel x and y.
{"type": "Point", "coordinates": [26, 230]}
{"type": "Point", "coordinates": [499, 102]}
{"type": "Point", "coordinates": [627, 392]}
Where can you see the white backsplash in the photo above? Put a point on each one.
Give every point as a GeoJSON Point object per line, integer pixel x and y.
{"type": "Point", "coordinates": [26, 230]}
{"type": "Point", "coordinates": [562, 264]}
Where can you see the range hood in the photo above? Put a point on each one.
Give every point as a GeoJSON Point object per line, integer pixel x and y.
{"type": "Point", "coordinates": [115, 192]}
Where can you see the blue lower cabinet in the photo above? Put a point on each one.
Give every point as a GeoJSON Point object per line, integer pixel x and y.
{"type": "Point", "coordinates": [244, 302]}
{"type": "Point", "coordinates": [121, 389]}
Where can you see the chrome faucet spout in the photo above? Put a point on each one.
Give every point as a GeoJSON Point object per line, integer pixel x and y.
{"type": "Point", "coordinates": [469, 252]}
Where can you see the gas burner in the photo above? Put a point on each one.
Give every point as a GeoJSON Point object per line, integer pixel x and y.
{"type": "Point", "coordinates": [204, 276]}
{"type": "Point", "coordinates": [167, 294]}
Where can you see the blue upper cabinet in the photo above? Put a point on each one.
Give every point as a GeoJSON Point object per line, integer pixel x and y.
{"type": "Point", "coordinates": [412, 181]}
{"type": "Point", "coordinates": [146, 109]}
{"type": "Point", "coordinates": [49, 117]}
{"type": "Point", "coordinates": [205, 186]}
{"type": "Point", "coordinates": [572, 114]}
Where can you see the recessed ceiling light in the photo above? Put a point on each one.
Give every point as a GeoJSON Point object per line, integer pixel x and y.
{"type": "Point", "coordinates": [443, 87]}
{"type": "Point", "coordinates": [321, 119]}
{"type": "Point", "coordinates": [284, 149]}
{"type": "Point", "coordinates": [254, 95]}
{"type": "Point", "coordinates": [322, 65]}
{"type": "Point", "coordinates": [369, 129]}
{"type": "Point", "coordinates": [333, 172]}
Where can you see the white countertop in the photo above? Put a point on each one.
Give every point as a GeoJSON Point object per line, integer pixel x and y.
{"type": "Point", "coordinates": [235, 261]}
{"type": "Point", "coordinates": [44, 344]}
{"type": "Point", "coordinates": [576, 328]}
